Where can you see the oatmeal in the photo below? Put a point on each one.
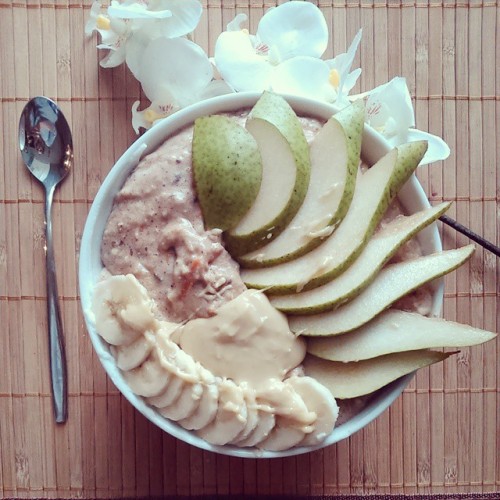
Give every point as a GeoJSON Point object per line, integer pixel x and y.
{"type": "Point", "coordinates": [216, 358]}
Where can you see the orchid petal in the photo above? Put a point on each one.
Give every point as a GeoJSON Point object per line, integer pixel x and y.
{"type": "Point", "coordinates": [437, 149]}
{"type": "Point", "coordinates": [215, 88]}
{"type": "Point", "coordinates": [170, 18]}
{"type": "Point", "coordinates": [114, 57]}
{"type": "Point", "coordinates": [343, 62]}
{"type": "Point", "coordinates": [305, 77]}
{"type": "Point", "coordinates": [295, 28]}
{"type": "Point", "coordinates": [91, 24]}
{"type": "Point", "coordinates": [235, 24]}
{"type": "Point", "coordinates": [109, 39]}
{"type": "Point", "coordinates": [119, 26]}
{"type": "Point", "coordinates": [136, 11]}
{"type": "Point", "coordinates": [149, 116]}
{"type": "Point", "coordinates": [239, 65]}
{"type": "Point", "coordinates": [176, 66]}
{"type": "Point", "coordinates": [138, 119]}
{"type": "Point", "coordinates": [350, 80]}
{"type": "Point", "coordinates": [344, 88]}
{"type": "Point", "coordinates": [134, 50]}
{"type": "Point", "coordinates": [186, 15]}
{"type": "Point", "coordinates": [389, 109]}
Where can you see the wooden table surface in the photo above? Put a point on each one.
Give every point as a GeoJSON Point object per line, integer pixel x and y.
{"type": "Point", "coordinates": [441, 436]}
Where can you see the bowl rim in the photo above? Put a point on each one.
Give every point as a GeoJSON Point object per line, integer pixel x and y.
{"type": "Point", "coordinates": [373, 147]}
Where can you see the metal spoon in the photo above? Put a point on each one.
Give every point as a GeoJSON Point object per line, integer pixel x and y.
{"type": "Point", "coordinates": [47, 150]}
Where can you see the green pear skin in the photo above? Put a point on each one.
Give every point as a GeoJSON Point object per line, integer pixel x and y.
{"type": "Point", "coordinates": [275, 111]}
{"type": "Point", "coordinates": [351, 119]}
{"type": "Point", "coordinates": [227, 170]}
{"type": "Point", "coordinates": [355, 379]}
{"type": "Point", "coordinates": [381, 247]}
{"type": "Point", "coordinates": [335, 156]}
{"type": "Point", "coordinates": [341, 249]}
{"type": "Point", "coordinates": [392, 283]}
{"type": "Point", "coordinates": [396, 331]}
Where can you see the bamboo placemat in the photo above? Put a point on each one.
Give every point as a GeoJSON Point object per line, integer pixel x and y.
{"type": "Point", "coordinates": [441, 437]}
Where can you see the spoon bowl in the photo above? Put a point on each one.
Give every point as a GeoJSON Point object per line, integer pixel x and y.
{"type": "Point", "coordinates": [45, 141]}
{"type": "Point", "coordinates": [47, 151]}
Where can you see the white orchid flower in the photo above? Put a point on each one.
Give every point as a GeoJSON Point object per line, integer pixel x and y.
{"type": "Point", "coordinates": [174, 72]}
{"type": "Point", "coordinates": [311, 77]}
{"type": "Point", "coordinates": [149, 116]}
{"type": "Point", "coordinates": [96, 17]}
{"type": "Point", "coordinates": [390, 111]}
{"type": "Point", "coordinates": [169, 18]}
{"type": "Point", "coordinates": [304, 77]}
{"type": "Point", "coordinates": [130, 9]}
{"type": "Point", "coordinates": [340, 76]}
{"type": "Point", "coordinates": [293, 29]}
{"type": "Point", "coordinates": [127, 27]}
{"type": "Point", "coordinates": [114, 34]}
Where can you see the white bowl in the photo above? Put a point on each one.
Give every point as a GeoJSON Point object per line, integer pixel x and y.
{"type": "Point", "coordinates": [374, 146]}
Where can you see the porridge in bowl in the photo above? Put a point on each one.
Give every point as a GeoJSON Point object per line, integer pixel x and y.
{"type": "Point", "coordinates": [240, 346]}
{"type": "Point", "coordinates": [202, 348]}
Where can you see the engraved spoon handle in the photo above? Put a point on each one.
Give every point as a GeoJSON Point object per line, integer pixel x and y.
{"type": "Point", "coordinates": [56, 343]}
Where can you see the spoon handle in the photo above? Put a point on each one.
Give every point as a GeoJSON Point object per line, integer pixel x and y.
{"type": "Point", "coordinates": [470, 234]}
{"type": "Point", "coordinates": [56, 342]}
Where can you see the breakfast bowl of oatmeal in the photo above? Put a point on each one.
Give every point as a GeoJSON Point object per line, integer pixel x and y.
{"type": "Point", "coordinates": [240, 258]}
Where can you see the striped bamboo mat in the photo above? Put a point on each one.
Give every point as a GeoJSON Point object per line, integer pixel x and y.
{"type": "Point", "coordinates": [441, 437]}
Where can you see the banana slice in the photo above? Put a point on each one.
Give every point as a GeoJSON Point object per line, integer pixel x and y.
{"type": "Point", "coordinates": [231, 417]}
{"type": "Point", "coordinates": [169, 395]}
{"type": "Point", "coordinates": [149, 379]}
{"type": "Point", "coordinates": [209, 403]}
{"type": "Point", "coordinates": [285, 402]}
{"type": "Point", "coordinates": [122, 309]}
{"type": "Point", "coordinates": [133, 355]}
{"type": "Point", "coordinates": [281, 416]}
{"type": "Point", "coordinates": [182, 369]}
{"type": "Point", "coordinates": [286, 434]}
{"type": "Point", "coordinates": [265, 424]}
{"type": "Point", "coordinates": [320, 400]}
{"type": "Point", "coordinates": [252, 414]}
{"type": "Point", "coordinates": [293, 418]}
{"type": "Point", "coordinates": [185, 405]}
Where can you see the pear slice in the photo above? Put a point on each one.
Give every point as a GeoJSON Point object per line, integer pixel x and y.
{"type": "Point", "coordinates": [335, 155]}
{"type": "Point", "coordinates": [396, 331]}
{"type": "Point", "coordinates": [359, 275]}
{"type": "Point", "coordinates": [375, 190]}
{"type": "Point", "coordinates": [351, 380]}
{"type": "Point", "coordinates": [227, 170]}
{"type": "Point", "coordinates": [392, 283]}
{"type": "Point", "coordinates": [285, 174]}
